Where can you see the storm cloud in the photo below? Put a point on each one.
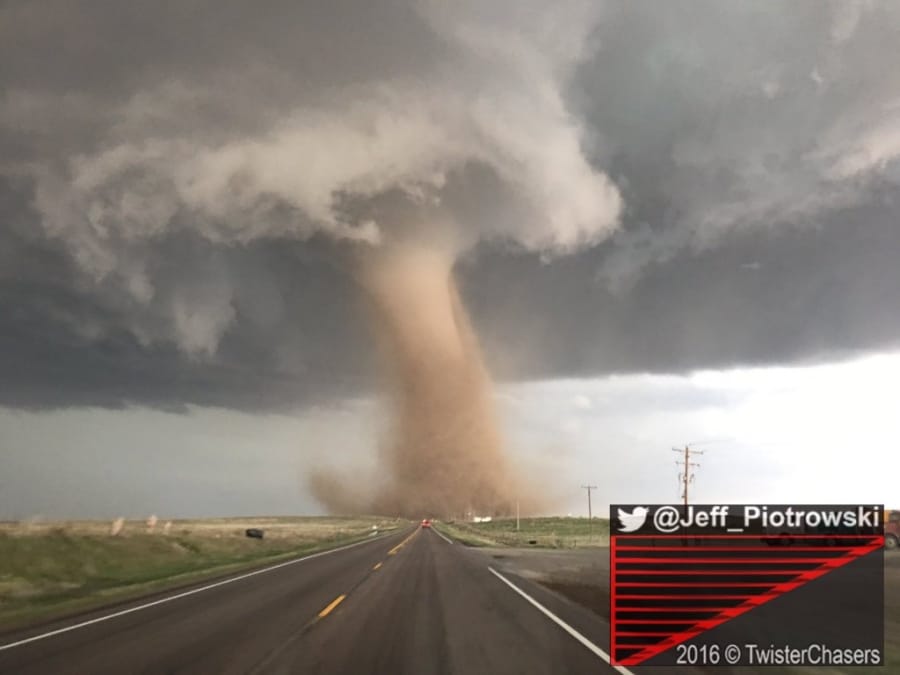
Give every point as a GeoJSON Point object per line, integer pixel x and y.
{"type": "Point", "coordinates": [628, 188]}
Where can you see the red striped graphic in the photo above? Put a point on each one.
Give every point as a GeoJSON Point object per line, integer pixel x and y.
{"type": "Point", "coordinates": [624, 593]}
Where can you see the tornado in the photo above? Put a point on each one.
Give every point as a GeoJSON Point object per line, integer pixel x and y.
{"type": "Point", "coordinates": [443, 455]}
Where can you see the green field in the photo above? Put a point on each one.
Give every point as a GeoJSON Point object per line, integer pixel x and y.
{"type": "Point", "coordinates": [538, 532]}
{"type": "Point", "coordinates": [48, 569]}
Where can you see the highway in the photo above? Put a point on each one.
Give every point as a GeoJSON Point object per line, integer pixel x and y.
{"type": "Point", "coordinates": [411, 602]}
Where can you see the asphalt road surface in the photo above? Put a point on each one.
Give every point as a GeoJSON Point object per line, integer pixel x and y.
{"type": "Point", "coordinates": [410, 603]}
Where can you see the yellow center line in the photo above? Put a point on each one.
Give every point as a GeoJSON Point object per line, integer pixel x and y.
{"type": "Point", "coordinates": [334, 603]}
{"type": "Point", "coordinates": [377, 566]}
{"type": "Point", "coordinates": [400, 545]}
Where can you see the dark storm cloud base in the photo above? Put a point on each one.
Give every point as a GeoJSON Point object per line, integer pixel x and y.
{"type": "Point", "coordinates": [741, 241]}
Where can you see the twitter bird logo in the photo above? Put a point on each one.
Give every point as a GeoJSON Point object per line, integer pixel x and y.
{"type": "Point", "coordinates": [631, 522]}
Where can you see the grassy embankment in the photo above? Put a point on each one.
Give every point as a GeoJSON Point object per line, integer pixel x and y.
{"type": "Point", "coordinates": [538, 532]}
{"type": "Point", "coordinates": [49, 569]}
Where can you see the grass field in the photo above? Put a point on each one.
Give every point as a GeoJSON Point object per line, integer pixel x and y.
{"type": "Point", "coordinates": [53, 568]}
{"type": "Point", "coordinates": [538, 532]}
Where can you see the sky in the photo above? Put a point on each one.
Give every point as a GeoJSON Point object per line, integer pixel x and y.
{"type": "Point", "coordinates": [768, 435]}
{"type": "Point", "coordinates": [670, 223]}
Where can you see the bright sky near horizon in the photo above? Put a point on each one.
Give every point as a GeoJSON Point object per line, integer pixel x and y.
{"type": "Point", "coordinates": [825, 433]}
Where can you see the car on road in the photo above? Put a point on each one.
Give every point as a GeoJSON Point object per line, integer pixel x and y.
{"type": "Point", "coordinates": [892, 530]}
{"type": "Point", "coordinates": [426, 522]}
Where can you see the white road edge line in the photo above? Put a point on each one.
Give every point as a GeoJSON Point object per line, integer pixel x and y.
{"type": "Point", "coordinates": [184, 594]}
{"type": "Point", "coordinates": [442, 536]}
{"type": "Point", "coordinates": [562, 624]}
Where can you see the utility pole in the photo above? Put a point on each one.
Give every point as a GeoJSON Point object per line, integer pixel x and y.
{"type": "Point", "coordinates": [590, 515]}
{"type": "Point", "coordinates": [687, 466]}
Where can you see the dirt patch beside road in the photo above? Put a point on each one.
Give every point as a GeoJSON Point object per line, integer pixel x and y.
{"type": "Point", "coordinates": [582, 575]}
